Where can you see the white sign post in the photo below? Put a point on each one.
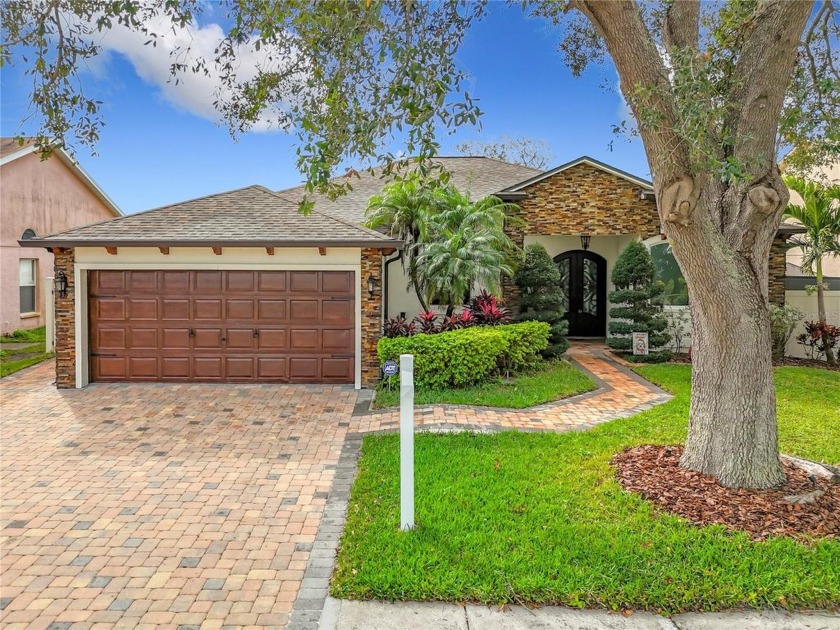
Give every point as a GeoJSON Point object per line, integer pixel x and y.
{"type": "Point", "coordinates": [407, 442]}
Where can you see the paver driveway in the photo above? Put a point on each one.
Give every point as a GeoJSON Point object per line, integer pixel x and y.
{"type": "Point", "coordinates": [198, 505]}
{"type": "Point", "coordinates": [161, 504]}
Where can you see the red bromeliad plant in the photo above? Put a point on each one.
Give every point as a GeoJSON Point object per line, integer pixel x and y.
{"type": "Point", "coordinates": [398, 327]}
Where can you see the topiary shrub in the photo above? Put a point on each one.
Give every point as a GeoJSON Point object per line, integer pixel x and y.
{"type": "Point", "coordinates": [468, 356]}
{"type": "Point", "coordinates": [783, 321]}
{"type": "Point", "coordinates": [638, 304]}
{"type": "Point", "coordinates": [538, 279]}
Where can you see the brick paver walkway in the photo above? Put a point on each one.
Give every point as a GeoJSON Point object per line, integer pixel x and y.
{"type": "Point", "coordinates": [159, 505]}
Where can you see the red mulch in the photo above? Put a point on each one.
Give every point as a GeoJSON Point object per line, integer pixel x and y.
{"type": "Point", "coordinates": [654, 472]}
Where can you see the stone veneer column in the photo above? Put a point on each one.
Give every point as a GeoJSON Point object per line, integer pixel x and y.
{"type": "Point", "coordinates": [778, 270]}
{"type": "Point", "coordinates": [371, 316]}
{"type": "Point", "coordinates": [65, 323]}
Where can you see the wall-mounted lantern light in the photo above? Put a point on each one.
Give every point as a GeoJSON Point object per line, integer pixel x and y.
{"type": "Point", "coordinates": [61, 284]}
{"type": "Point", "coordinates": [372, 283]}
{"type": "Point", "coordinates": [584, 241]}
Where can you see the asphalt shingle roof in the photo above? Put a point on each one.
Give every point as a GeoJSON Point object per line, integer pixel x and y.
{"type": "Point", "coordinates": [252, 216]}
{"type": "Point", "coordinates": [480, 176]}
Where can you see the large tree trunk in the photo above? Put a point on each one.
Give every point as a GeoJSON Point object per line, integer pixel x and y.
{"type": "Point", "coordinates": [732, 419]}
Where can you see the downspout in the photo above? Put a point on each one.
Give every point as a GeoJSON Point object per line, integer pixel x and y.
{"type": "Point", "coordinates": [385, 284]}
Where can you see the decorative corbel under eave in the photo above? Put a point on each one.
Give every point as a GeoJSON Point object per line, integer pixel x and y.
{"type": "Point", "coordinates": [164, 250]}
{"type": "Point", "coordinates": [269, 251]}
{"type": "Point", "coordinates": [217, 251]}
{"type": "Point", "coordinates": [322, 251]}
{"type": "Point", "coordinates": [111, 250]}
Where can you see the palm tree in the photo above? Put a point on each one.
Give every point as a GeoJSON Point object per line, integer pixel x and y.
{"type": "Point", "coordinates": [403, 207]}
{"type": "Point", "coordinates": [465, 246]}
{"type": "Point", "coordinates": [820, 216]}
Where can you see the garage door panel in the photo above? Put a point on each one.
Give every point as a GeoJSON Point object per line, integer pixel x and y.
{"type": "Point", "coordinates": [207, 281]}
{"type": "Point", "coordinates": [143, 338]}
{"type": "Point", "coordinates": [175, 368]}
{"type": "Point", "coordinates": [105, 281]}
{"type": "Point", "coordinates": [173, 309]}
{"type": "Point", "coordinates": [240, 309]}
{"type": "Point", "coordinates": [272, 340]}
{"type": "Point", "coordinates": [303, 339]}
{"type": "Point", "coordinates": [208, 338]}
{"type": "Point", "coordinates": [271, 281]}
{"type": "Point", "coordinates": [337, 282]}
{"type": "Point", "coordinates": [303, 311]}
{"type": "Point", "coordinates": [209, 368]}
{"type": "Point", "coordinates": [109, 368]}
{"type": "Point", "coordinates": [215, 326]}
{"type": "Point", "coordinates": [111, 338]}
{"type": "Point", "coordinates": [304, 368]}
{"type": "Point", "coordinates": [337, 369]}
{"type": "Point", "coordinates": [239, 281]}
{"type": "Point", "coordinates": [336, 311]}
{"type": "Point", "coordinates": [143, 367]}
{"type": "Point", "coordinates": [109, 309]}
{"type": "Point", "coordinates": [175, 282]}
{"type": "Point", "coordinates": [239, 368]}
{"type": "Point", "coordinates": [175, 339]}
{"type": "Point", "coordinates": [240, 338]}
{"type": "Point", "coordinates": [303, 281]}
{"type": "Point", "coordinates": [142, 281]}
{"type": "Point", "coordinates": [143, 309]}
{"type": "Point", "coordinates": [271, 368]}
{"type": "Point", "coordinates": [207, 309]}
{"type": "Point", "coordinates": [271, 311]}
{"type": "Point", "coordinates": [337, 340]}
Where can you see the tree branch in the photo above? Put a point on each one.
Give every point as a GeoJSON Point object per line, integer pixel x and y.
{"type": "Point", "coordinates": [682, 24]}
{"type": "Point", "coordinates": [640, 67]}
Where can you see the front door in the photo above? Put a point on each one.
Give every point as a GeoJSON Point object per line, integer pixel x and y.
{"type": "Point", "coordinates": [584, 285]}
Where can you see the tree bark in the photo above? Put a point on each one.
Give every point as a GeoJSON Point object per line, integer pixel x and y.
{"type": "Point", "coordinates": [732, 420]}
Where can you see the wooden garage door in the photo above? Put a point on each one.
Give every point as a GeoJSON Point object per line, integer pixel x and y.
{"type": "Point", "coordinates": [231, 326]}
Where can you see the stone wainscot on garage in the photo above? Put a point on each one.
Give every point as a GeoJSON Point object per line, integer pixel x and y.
{"type": "Point", "coordinates": [233, 287]}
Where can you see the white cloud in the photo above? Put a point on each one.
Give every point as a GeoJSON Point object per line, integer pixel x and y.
{"type": "Point", "coordinates": [194, 92]}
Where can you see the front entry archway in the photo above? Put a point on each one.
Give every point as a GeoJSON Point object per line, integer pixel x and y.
{"type": "Point", "coordinates": [584, 284]}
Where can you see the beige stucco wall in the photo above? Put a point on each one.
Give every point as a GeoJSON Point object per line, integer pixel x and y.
{"type": "Point", "coordinates": [46, 197]}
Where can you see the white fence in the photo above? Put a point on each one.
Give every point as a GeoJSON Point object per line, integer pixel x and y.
{"type": "Point", "coordinates": [800, 300]}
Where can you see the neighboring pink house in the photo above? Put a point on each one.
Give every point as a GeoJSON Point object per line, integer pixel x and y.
{"type": "Point", "coordinates": [38, 197]}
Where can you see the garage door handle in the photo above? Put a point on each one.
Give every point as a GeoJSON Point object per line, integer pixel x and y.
{"type": "Point", "coordinates": [192, 332]}
{"type": "Point", "coordinates": [256, 332]}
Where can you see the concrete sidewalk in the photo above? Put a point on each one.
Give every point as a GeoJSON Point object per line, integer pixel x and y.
{"type": "Point", "coordinates": [351, 615]}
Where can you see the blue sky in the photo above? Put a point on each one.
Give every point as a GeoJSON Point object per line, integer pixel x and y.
{"type": "Point", "coordinates": [159, 146]}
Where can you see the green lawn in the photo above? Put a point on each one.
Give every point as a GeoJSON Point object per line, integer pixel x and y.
{"type": "Point", "coordinates": [15, 359]}
{"type": "Point", "coordinates": [557, 379]}
{"type": "Point", "coordinates": [530, 517]}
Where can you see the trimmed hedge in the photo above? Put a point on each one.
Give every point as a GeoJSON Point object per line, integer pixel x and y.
{"type": "Point", "coordinates": [466, 357]}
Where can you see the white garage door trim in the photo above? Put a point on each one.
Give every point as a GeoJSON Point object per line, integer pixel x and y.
{"type": "Point", "coordinates": [81, 292]}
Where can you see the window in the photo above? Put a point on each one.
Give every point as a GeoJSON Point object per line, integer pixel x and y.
{"type": "Point", "coordinates": [28, 276]}
{"type": "Point", "coordinates": [27, 234]}
{"type": "Point", "coordinates": [668, 271]}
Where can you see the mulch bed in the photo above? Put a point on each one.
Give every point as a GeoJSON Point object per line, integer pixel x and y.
{"type": "Point", "coordinates": [654, 472]}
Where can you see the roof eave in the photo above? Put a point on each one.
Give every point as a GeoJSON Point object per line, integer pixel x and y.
{"type": "Point", "coordinates": [67, 242]}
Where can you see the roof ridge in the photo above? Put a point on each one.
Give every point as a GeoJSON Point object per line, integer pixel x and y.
{"type": "Point", "coordinates": [150, 210]}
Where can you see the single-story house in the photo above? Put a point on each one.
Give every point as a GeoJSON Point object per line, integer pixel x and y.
{"type": "Point", "coordinates": [38, 197]}
{"type": "Point", "coordinates": [241, 287]}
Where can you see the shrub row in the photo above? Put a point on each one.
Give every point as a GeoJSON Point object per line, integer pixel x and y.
{"type": "Point", "coordinates": [469, 356]}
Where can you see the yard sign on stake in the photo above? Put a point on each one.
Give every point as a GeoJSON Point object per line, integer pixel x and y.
{"type": "Point", "coordinates": [407, 442]}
